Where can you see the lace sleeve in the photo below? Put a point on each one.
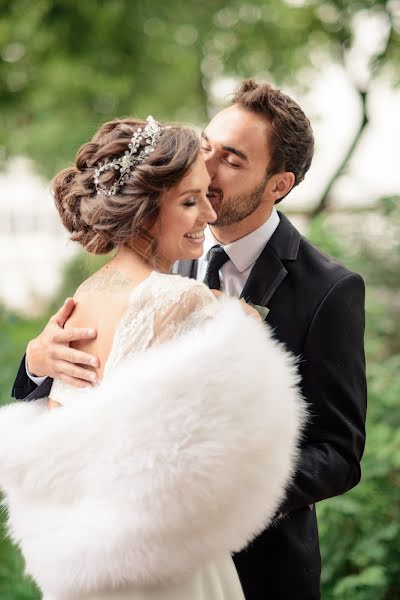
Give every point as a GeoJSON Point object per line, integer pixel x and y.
{"type": "Point", "coordinates": [164, 307]}
{"type": "Point", "coordinates": [193, 306]}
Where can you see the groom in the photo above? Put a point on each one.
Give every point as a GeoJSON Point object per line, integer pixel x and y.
{"type": "Point", "coordinates": [256, 151]}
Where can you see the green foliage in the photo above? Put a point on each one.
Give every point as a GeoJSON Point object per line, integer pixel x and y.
{"type": "Point", "coordinates": [360, 531]}
{"type": "Point", "coordinates": [66, 67]}
{"type": "Point", "coordinates": [83, 63]}
{"type": "Point", "coordinates": [13, 586]}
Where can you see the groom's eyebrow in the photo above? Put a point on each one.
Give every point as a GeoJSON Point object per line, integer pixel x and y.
{"type": "Point", "coordinates": [230, 149]}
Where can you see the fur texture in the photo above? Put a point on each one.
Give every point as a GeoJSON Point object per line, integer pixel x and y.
{"type": "Point", "coordinates": [182, 454]}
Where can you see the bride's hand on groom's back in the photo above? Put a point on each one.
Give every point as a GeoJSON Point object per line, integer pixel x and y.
{"type": "Point", "coordinates": [50, 354]}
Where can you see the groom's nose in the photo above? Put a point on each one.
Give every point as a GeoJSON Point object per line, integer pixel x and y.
{"type": "Point", "coordinates": [211, 161]}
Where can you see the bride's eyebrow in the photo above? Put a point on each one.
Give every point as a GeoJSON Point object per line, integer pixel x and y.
{"type": "Point", "coordinates": [189, 192]}
{"type": "Point", "coordinates": [230, 149]}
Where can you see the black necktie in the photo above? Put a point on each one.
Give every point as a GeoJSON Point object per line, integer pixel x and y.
{"type": "Point", "coordinates": [216, 258]}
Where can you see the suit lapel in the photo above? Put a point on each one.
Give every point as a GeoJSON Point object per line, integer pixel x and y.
{"type": "Point", "coordinates": [265, 277]}
{"type": "Point", "coordinates": [269, 271]}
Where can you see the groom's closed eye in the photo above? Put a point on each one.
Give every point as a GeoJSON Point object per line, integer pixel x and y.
{"type": "Point", "coordinates": [205, 147]}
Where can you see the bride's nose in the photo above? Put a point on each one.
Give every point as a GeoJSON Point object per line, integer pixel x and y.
{"type": "Point", "coordinates": [209, 213]}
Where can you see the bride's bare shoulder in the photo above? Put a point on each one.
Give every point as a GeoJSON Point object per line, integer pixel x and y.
{"type": "Point", "coordinates": [106, 292]}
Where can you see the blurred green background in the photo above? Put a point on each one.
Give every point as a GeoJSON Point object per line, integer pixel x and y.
{"type": "Point", "coordinates": [67, 66]}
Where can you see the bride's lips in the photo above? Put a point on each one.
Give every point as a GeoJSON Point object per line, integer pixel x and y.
{"type": "Point", "coordinates": [195, 237]}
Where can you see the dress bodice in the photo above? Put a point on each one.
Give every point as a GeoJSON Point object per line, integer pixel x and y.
{"type": "Point", "coordinates": [159, 308]}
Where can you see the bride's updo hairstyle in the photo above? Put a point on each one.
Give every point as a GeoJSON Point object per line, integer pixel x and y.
{"type": "Point", "coordinates": [101, 222]}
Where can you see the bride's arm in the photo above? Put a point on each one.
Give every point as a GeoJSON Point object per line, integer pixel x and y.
{"type": "Point", "coordinates": [192, 306]}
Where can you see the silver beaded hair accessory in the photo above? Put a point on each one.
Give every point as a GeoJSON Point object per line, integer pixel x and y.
{"type": "Point", "coordinates": [125, 163]}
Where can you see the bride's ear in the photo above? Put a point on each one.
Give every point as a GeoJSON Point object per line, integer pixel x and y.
{"type": "Point", "coordinates": [152, 227]}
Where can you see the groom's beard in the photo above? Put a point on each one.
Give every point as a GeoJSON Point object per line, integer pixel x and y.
{"type": "Point", "coordinates": [236, 208]}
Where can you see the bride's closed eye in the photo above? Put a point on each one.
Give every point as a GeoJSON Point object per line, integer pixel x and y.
{"type": "Point", "coordinates": [190, 202]}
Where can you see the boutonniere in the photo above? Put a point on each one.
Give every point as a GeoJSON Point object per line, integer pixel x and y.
{"type": "Point", "coordinates": [262, 310]}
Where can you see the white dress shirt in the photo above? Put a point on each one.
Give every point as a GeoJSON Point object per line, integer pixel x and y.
{"type": "Point", "coordinates": [37, 380]}
{"type": "Point", "coordinates": [233, 275]}
{"type": "Point", "coordinates": [242, 253]}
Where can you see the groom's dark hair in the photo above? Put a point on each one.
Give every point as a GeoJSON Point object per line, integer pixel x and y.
{"type": "Point", "coordinates": [291, 141]}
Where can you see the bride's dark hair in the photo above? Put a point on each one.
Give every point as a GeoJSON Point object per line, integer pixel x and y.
{"type": "Point", "coordinates": [99, 222]}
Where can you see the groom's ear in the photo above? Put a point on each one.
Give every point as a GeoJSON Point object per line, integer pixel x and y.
{"type": "Point", "coordinates": [281, 184]}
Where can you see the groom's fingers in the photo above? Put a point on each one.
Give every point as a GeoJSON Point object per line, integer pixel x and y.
{"type": "Point", "coordinates": [74, 334]}
{"type": "Point", "coordinates": [64, 312]}
{"type": "Point", "coordinates": [76, 357]}
{"type": "Point", "coordinates": [52, 345]}
{"type": "Point", "coordinates": [75, 373]}
{"type": "Point", "coordinates": [78, 383]}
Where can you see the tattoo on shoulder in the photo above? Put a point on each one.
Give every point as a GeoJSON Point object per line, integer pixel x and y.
{"type": "Point", "coordinates": [103, 280]}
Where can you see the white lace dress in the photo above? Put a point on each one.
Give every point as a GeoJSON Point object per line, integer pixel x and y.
{"type": "Point", "coordinates": [159, 309]}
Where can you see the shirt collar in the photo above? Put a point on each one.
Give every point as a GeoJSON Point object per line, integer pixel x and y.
{"type": "Point", "coordinates": [245, 251]}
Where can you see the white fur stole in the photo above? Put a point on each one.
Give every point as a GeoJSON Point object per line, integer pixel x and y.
{"type": "Point", "coordinates": [182, 454]}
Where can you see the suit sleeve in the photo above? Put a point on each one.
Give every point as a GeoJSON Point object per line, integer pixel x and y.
{"type": "Point", "coordinates": [334, 384]}
{"type": "Point", "coordinates": [25, 389]}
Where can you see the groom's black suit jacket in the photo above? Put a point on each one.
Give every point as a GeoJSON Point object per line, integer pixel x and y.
{"type": "Point", "coordinates": [317, 311]}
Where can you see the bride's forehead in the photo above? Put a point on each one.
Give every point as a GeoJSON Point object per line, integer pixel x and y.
{"type": "Point", "coordinates": [197, 181]}
{"type": "Point", "coordinates": [197, 175]}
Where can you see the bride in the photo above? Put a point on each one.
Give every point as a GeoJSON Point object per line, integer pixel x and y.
{"type": "Point", "coordinates": [142, 485]}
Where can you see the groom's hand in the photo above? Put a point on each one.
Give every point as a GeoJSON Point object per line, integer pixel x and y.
{"type": "Point", "coordinates": [50, 354]}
